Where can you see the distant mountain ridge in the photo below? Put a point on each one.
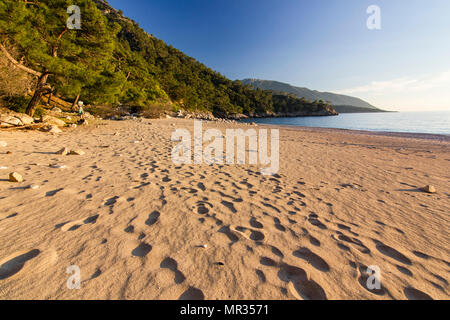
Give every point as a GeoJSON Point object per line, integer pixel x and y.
{"type": "Point", "coordinates": [341, 103]}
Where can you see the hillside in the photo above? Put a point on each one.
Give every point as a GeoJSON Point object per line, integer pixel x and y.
{"type": "Point", "coordinates": [114, 64]}
{"type": "Point", "coordinates": [341, 103]}
{"type": "Point", "coordinates": [193, 86]}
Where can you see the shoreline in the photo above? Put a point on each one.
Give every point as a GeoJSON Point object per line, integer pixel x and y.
{"type": "Point", "coordinates": [409, 135]}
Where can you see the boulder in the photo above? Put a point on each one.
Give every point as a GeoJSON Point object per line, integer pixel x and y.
{"type": "Point", "coordinates": [428, 189]}
{"type": "Point", "coordinates": [15, 177]}
{"type": "Point", "coordinates": [53, 121]}
{"type": "Point", "coordinates": [24, 118]}
{"type": "Point", "coordinates": [9, 121]}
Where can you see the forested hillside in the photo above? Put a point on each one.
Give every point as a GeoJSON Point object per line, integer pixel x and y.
{"type": "Point", "coordinates": [111, 61]}
{"type": "Point", "coordinates": [341, 103]}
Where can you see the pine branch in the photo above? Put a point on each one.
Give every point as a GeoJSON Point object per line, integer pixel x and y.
{"type": "Point", "coordinates": [17, 64]}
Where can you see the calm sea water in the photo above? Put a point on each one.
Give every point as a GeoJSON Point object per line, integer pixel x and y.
{"type": "Point", "coordinates": [416, 122]}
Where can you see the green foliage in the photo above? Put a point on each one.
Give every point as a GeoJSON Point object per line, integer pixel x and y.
{"type": "Point", "coordinates": [18, 103]}
{"type": "Point", "coordinates": [112, 61]}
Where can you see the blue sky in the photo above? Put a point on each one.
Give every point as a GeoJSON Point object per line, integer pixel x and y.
{"type": "Point", "coordinates": [319, 44]}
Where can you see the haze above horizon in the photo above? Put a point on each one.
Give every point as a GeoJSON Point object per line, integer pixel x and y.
{"type": "Point", "coordinates": [323, 45]}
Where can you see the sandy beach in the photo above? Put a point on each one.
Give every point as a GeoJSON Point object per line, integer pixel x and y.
{"type": "Point", "coordinates": [139, 226]}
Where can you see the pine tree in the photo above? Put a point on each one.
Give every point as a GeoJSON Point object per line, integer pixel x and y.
{"type": "Point", "coordinates": [73, 59]}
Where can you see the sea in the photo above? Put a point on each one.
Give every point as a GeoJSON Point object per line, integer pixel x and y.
{"type": "Point", "coordinates": [404, 122]}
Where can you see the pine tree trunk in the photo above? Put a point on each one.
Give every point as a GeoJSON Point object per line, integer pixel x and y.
{"type": "Point", "coordinates": [75, 102]}
{"type": "Point", "coordinates": [37, 95]}
{"type": "Point", "coordinates": [50, 98]}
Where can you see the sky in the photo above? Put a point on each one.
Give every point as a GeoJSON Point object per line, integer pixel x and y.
{"type": "Point", "coordinates": [323, 45]}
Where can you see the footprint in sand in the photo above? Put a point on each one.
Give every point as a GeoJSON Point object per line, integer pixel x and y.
{"type": "Point", "coordinates": [361, 247]}
{"type": "Point", "coordinates": [314, 220]}
{"type": "Point", "coordinates": [129, 229]}
{"type": "Point", "coordinates": [172, 265]}
{"type": "Point", "coordinates": [203, 207]}
{"type": "Point", "coordinates": [392, 253]}
{"type": "Point", "coordinates": [12, 266]}
{"type": "Point", "coordinates": [421, 255]}
{"type": "Point", "coordinates": [141, 250]}
{"type": "Point", "coordinates": [201, 186]}
{"type": "Point", "coordinates": [261, 275]}
{"type": "Point", "coordinates": [405, 271]}
{"type": "Point", "coordinates": [414, 294]}
{"type": "Point", "coordinates": [230, 206]}
{"type": "Point", "coordinates": [268, 262]}
{"type": "Point", "coordinates": [249, 234]}
{"type": "Point", "coordinates": [363, 281]}
{"type": "Point", "coordinates": [75, 225]}
{"type": "Point", "coordinates": [256, 224]}
{"type": "Point", "coordinates": [192, 294]}
{"type": "Point", "coordinates": [141, 236]}
{"type": "Point", "coordinates": [96, 274]}
{"type": "Point", "coordinates": [268, 205]}
{"type": "Point", "coordinates": [277, 252]}
{"type": "Point", "coordinates": [230, 234]}
{"type": "Point", "coordinates": [312, 258]}
{"type": "Point", "coordinates": [153, 218]}
{"type": "Point", "coordinates": [278, 225]}
{"type": "Point", "coordinates": [299, 285]}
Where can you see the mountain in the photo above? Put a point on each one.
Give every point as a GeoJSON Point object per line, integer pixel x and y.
{"type": "Point", "coordinates": [341, 103]}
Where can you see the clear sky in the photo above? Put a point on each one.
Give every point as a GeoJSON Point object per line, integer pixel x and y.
{"type": "Point", "coordinates": [320, 44]}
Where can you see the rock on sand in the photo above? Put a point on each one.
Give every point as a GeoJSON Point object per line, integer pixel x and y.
{"type": "Point", "coordinates": [428, 189]}
{"type": "Point", "coordinates": [15, 177]}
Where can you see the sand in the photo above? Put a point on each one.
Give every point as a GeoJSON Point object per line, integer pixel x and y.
{"type": "Point", "coordinates": [140, 227]}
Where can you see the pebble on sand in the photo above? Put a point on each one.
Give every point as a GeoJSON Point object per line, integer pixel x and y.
{"type": "Point", "coordinates": [3, 144]}
{"type": "Point", "coordinates": [33, 187]}
{"type": "Point", "coordinates": [15, 177]}
{"type": "Point", "coordinates": [428, 189]}
{"type": "Point", "coordinates": [53, 129]}
{"type": "Point", "coordinates": [58, 166]}
{"type": "Point", "coordinates": [64, 151]}
{"type": "Point", "coordinates": [77, 152]}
